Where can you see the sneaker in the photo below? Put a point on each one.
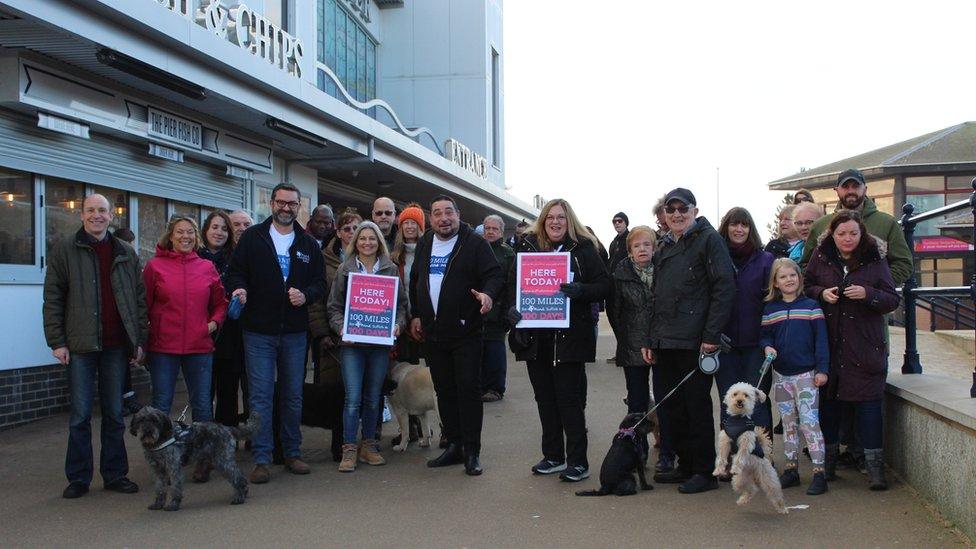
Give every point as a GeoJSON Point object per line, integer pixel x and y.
{"type": "Point", "coordinates": [665, 464]}
{"type": "Point", "coordinates": [74, 490]}
{"type": "Point", "coordinates": [674, 476]}
{"type": "Point", "coordinates": [122, 485]}
{"type": "Point", "coordinates": [548, 467]}
{"type": "Point", "coordinates": [575, 473]}
{"type": "Point", "coordinates": [790, 478]}
{"type": "Point", "coordinates": [261, 474]}
{"type": "Point", "coordinates": [698, 483]}
{"type": "Point", "coordinates": [369, 452]}
{"type": "Point", "coordinates": [348, 462]}
{"type": "Point", "coordinates": [297, 466]}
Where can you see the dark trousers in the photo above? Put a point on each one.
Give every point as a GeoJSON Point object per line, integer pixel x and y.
{"type": "Point", "coordinates": [742, 364]}
{"type": "Point", "coordinates": [869, 420]}
{"type": "Point", "coordinates": [455, 368]}
{"type": "Point", "coordinates": [666, 444]}
{"type": "Point", "coordinates": [108, 368]}
{"type": "Point", "coordinates": [229, 379]}
{"type": "Point", "coordinates": [638, 388]}
{"type": "Point", "coordinates": [494, 365]}
{"type": "Point", "coordinates": [689, 410]}
{"type": "Point", "coordinates": [558, 390]}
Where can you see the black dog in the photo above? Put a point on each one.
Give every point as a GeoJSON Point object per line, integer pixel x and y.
{"type": "Point", "coordinates": [626, 454]}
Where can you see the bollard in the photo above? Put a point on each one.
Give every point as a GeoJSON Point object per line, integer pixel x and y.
{"type": "Point", "coordinates": [911, 365]}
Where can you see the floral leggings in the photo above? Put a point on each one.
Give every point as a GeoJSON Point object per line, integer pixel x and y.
{"type": "Point", "coordinates": [797, 400]}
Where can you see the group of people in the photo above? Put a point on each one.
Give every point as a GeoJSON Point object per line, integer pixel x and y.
{"type": "Point", "coordinates": [815, 298]}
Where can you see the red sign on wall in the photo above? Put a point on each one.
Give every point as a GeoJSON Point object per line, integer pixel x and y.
{"type": "Point", "coordinates": [941, 244]}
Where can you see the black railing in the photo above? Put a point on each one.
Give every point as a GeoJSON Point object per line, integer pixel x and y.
{"type": "Point", "coordinates": [960, 314]}
{"type": "Point", "coordinates": [910, 292]}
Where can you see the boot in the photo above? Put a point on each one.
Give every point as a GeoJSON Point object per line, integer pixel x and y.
{"type": "Point", "coordinates": [369, 452]}
{"type": "Point", "coordinates": [818, 485]}
{"type": "Point", "coordinates": [452, 455]}
{"type": "Point", "coordinates": [830, 461]}
{"type": "Point", "coordinates": [790, 476]}
{"type": "Point", "coordinates": [873, 458]}
{"type": "Point", "coordinates": [348, 463]}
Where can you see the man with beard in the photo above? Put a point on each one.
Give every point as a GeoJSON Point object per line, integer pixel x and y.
{"type": "Point", "coordinates": [852, 193]}
{"type": "Point", "coordinates": [276, 271]}
{"type": "Point", "coordinates": [384, 215]}
{"type": "Point", "coordinates": [453, 284]}
{"type": "Point", "coordinates": [321, 225]}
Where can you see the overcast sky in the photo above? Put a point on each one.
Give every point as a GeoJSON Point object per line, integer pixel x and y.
{"type": "Point", "coordinates": [612, 104]}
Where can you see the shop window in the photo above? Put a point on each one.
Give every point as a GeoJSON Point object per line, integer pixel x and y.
{"type": "Point", "coordinates": [62, 210]}
{"type": "Point", "coordinates": [152, 225]}
{"type": "Point", "coordinates": [184, 209]}
{"type": "Point", "coordinates": [262, 204]}
{"type": "Point", "coordinates": [964, 182]}
{"type": "Point", "coordinates": [17, 236]}
{"type": "Point", "coordinates": [881, 187]}
{"type": "Point", "coordinates": [924, 184]}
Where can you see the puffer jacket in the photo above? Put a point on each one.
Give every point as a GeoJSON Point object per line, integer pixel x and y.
{"type": "Point", "coordinates": [578, 342]}
{"type": "Point", "coordinates": [751, 283]}
{"type": "Point", "coordinates": [855, 328]}
{"type": "Point", "coordinates": [337, 296]}
{"type": "Point", "coordinates": [183, 294]}
{"type": "Point", "coordinates": [71, 295]}
{"type": "Point", "coordinates": [694, 289]}
{"type": "Point", "coordinates": [630, 314]}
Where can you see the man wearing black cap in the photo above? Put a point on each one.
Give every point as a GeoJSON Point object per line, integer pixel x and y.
{"type": "Point", "coordinates": [693, 291]}
{"type": "Point", "coordinates": [852, 195]}
{"type": "Point", "coordinates": [618, 247]}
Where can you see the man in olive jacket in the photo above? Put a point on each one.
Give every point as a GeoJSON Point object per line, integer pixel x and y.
{"type": "Point", "coordinates": [852, 195]}
{"type": "Point", "coordinates": [95, 324]}
{"type": "Point", "coordinates": [693, 292]}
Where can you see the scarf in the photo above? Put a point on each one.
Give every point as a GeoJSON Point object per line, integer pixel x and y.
{"type": "Point", "coordinates": [646, 274]}
{"type": "Point", "coordinates": [741, 252]}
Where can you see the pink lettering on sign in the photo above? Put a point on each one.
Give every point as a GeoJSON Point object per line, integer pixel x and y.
{"type": "Point", "coordinates": [941, 244]}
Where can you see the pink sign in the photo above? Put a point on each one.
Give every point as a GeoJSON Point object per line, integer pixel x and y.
{"type": "Point", "coordinates": [370, 309]}
{"type": "Point", "coordinates": [941, 244]}
{"type": "Point", "coordinates": [538, 297]}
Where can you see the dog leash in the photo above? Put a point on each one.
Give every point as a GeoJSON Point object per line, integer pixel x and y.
{"type": "Point", "coordinates": [659, 403]}
{"type": "Point", "coordinates": [765, 368]}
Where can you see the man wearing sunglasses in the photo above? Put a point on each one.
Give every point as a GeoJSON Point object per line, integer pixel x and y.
{"type": "Point", "coordinates": [384, 215]}
{"type": "Point", "coordinates": [276, 271]}
{"type": "Point", "coordinates": [693, 291]}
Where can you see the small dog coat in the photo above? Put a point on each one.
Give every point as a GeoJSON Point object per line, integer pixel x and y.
{"type": "Point", "coordinates": [735, 426]}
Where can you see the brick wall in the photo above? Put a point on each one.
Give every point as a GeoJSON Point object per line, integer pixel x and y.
{"type": "Point", "coordinates": [28, 394]}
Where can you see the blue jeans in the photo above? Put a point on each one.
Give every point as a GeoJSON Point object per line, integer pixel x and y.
{"type": "Point", "coordinates": [267, 356]}
{"type": "Point", "coordinates": [197, 374]}
{"type": "Point", "coordinates": [109, 367]}
{"type": "Point", "coordinates": [742, 364]}
{"type": "Point", "coordinates": [363, 372]}
{"type": "Point", "coordinates": [870, 423]}
{"type": "Point", "coordinates": [494, 366]}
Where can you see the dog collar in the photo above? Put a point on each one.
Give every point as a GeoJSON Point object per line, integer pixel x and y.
{"type": "Point", "coordinates": [627, 433]}
{"type": "Point", "coordinates": [171, 441]}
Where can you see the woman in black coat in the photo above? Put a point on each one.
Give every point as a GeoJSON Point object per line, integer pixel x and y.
{"type": "Point", "coordinates": [555, 357]}
{"type": "Point", "coordinates": [848, 274]}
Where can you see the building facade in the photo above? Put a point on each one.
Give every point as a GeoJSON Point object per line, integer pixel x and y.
{"type": "Point", "coordinates": [186, 106]}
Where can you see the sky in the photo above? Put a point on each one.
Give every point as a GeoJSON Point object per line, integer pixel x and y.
{"type": "Point", "coordinates": [611, 104]}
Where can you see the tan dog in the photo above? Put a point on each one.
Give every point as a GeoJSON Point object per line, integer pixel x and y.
{"type": "Point", "coordinates": [751, 469]}
{"type": "Point", "coordinates": [414, 396]}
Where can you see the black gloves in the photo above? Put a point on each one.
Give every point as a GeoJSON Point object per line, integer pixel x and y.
{"type": "Point", "coordinates": [573, 290]}
{"type": "Point", "coordinates": [513, 316]}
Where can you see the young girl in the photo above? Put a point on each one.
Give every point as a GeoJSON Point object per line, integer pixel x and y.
{"type": "Point", "coordinates": [363, 365]}
{"type": "Point", "coordinates": [794, 331]}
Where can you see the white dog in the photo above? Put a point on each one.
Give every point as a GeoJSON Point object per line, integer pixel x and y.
{"type": "Point", "coordinates": [751, 469]}
{"type": "Point", "coordinates": [414, 396]}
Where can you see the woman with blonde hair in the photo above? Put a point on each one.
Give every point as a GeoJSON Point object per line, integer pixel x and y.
{"type": "Point", "coordinates": [555, 357]}
{"type": "Point", "coordinates": [363, 365]}
{"type": "Point", "coordinates": [186, 304]}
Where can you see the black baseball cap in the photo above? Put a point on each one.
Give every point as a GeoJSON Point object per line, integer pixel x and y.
{"type": "Point", "coordinates": [684, 195]}
{"type": "Point", "coordinates": [848, 175]}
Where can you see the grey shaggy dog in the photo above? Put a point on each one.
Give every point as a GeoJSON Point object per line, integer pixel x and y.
{"type": "Point", "coordinates": [209, 443]}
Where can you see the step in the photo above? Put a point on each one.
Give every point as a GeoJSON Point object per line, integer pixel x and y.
{"type": "Point", "coordinates": [964, 340]}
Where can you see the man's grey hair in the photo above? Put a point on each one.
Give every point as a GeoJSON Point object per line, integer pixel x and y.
{"type": "Point", "coordinates": [324, 208]}
{"type": "Point", "coordinates": [243, 212]}
{"type": "Point", "coordinates": [498, 218]}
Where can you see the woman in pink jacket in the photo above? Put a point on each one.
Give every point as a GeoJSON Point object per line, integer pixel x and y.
{"type": "Point", "coordinates": [186, 304]}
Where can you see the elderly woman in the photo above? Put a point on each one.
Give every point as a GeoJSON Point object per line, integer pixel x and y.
{"type": "Point", "coordinates": [786, 241]}
{"type": "Point", "coordinates": [849, 275]}
{"type": "Point", "coordinates": [186, 305]}
{"type": "Point", "coordinates": [804, 215]}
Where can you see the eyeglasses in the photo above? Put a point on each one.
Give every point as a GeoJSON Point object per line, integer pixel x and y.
{"type": "Point", "coordinates": [348, 229]}
{"type": "Point", "coordinates": [559, 217]}
{"type": "Point", "coordinates": [387, 213]}
{"type": "Point", "coordinates": [679, 209]}
{"type": "Point", "coordinates": [802, 223]}
{"type": "Point", "coordinates": [283, 204]}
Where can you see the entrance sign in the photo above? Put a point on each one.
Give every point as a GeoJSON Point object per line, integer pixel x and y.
{"type": "Point", "coordinates": [537, 293]}
{"type": "Point", "coordinates": [371, 303]}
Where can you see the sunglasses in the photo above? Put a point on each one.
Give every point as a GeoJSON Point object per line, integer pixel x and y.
{"type": "Point", "coordinates": [387, 213]}
{"type": "Point", "coordinates": [679, 209]}
{"type": "Point", "coordinates": [348, 229]}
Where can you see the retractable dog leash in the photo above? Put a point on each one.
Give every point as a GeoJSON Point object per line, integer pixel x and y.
{"type": "Point", "coordinates": [708, 364]}
{"type": "Point", "coordinates": [765, 368]}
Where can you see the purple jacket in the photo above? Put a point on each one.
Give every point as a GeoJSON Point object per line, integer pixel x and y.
{"type": "Point", "coordinates": [751, 282]}
{"type": "Point", "coordinates": [855, 329]}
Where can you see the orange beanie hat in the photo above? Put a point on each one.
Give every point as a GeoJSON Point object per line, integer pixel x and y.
{"type": "Point", "coordinates": [412, 213]}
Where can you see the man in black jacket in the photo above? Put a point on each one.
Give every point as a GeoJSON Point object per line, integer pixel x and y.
{"type": "Point", "coordinates": [618, 247]}
{"type": "Point", "coordinates": [276, 270]}
{"type": "Point", "coordinates": [693, 292]}
{"type": "Point", "coordinates": [453, 284]}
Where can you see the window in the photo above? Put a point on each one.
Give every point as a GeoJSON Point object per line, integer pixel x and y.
{"type": "Point", "coordinates": [345, 46]}
{"type": "Point", "coordinates": [964, 182]}
{"type": "Point", "coordinates": [184, 209]}
{"type": "Point", "coordinates": [62, 210]}
{"type": "Point", "coordinates": [496, 119]}
{"type": "Point", "coordinates": [17, 227]}
{"type": "Point", "coordinates": [924, 203]}
{"type": "Point", "coordinates": [276, 11]}
{"type": "Point", "coordinates": [152, 225]}
{"type": "Point", "coordinates": [924, 184]}
{"type": "Point", "coordinates": [262, 206]}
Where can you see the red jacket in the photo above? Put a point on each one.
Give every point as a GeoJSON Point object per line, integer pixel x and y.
{"type": "Point", "coordinates": [183, 294]}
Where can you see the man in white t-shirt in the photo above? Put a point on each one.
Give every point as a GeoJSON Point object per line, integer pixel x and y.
{"type": "Point", "coordinates": [453, 284]}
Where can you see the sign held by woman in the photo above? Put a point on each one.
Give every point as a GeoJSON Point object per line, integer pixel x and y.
{"type": "Point", "coordinates": [371, 302]}
{"type": "Point", "coordinates": [538, 297]}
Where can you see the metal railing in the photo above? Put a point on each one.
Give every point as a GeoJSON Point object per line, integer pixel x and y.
{"type": "Point", "coordinates": [911, 292]}
{"type": "Point", "coordinates": [962, 315]}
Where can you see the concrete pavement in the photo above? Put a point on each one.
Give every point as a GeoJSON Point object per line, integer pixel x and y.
{"type": "Point", "coordinates": [405, 504]}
